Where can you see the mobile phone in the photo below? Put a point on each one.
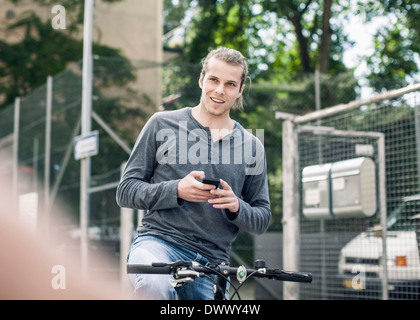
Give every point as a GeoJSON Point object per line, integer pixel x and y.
{"type": "Point", "coordinates": [212, 181]}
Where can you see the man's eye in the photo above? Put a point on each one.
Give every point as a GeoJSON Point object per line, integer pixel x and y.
{"type": "Point", "coordinates": [230, 84]}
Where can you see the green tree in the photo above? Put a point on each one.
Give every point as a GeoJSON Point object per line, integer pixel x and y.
{"type": "Point", "coordinates": [394, 62]}
{"type": "Point", "coordinates": [317, 40]}
{"type": "Point", "coordinates": [43, 51]}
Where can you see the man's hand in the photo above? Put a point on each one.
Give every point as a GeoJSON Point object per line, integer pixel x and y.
{"type": "Point", "coordinates": [190, 189]}
{"type": "Point", "coordinates": [225, 198]}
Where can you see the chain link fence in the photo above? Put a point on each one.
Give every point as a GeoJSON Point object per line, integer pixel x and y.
{"type": "Point", "coordinates": [39, 139]}
{"type": "Point", "coordinates": [374, 256]}
{"type": "Point", "coordinates": [355, 247]}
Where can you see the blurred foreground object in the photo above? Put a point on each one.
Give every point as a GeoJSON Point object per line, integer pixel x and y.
{"type": "Point", "coordinates": [33, 268]}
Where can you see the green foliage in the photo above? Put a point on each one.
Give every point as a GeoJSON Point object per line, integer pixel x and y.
{"type": "Point", "coordinates": [396, 45]}
{"type": "Point", "coordinates": [217, 23]}
{"type": "Point", "coordinates": [43, 51]}
{"type": "Point", "coordinates": [393, 60]}
{"type": "Point", "coordinates": [174, 14]}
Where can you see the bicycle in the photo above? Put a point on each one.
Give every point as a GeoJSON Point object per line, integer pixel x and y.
{"type": "Point", "coordinates": [188, 271]}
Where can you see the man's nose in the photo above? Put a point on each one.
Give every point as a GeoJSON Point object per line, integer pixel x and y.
{"type": "Point", "coordinates": [220, 89]}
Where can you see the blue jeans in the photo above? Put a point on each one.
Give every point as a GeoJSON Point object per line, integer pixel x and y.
{"type": "Point", "coordinates": [148, 249]}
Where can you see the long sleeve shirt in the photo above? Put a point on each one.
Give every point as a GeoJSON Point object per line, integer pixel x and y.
{"type": "Point", "coordinates": [170, 146]}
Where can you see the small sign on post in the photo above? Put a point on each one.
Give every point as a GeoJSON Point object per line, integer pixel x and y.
{"type": "Point", "coordinates": [28, 210]}
{"type": "Point", "coordinates": [86, 146]}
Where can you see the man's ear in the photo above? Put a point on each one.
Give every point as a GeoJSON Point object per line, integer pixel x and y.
{"type": "Point", "coordinates": [242, 89]}
{"type": "Point", "coordinates": [200, 81]}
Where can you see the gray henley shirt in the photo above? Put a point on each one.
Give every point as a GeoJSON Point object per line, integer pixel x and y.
{"type": "Point", "coordinates": [170, 146]}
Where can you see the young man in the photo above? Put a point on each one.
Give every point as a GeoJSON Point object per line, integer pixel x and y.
{"type": "Point", "coordinates": [175, 151]}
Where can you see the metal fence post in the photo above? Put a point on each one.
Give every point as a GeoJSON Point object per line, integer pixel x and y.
{"type": "Point", "coordinates": [47, 160]}
{"type": "Point", "coordinates": [86, 128]}
{"type": "Point", "coordinates": [126, 229]}
{"type": "Point", "coordinates": [15, 178]}
{"type": "Point", "coordinates": [291, 230]}
{"type": "Point", "coordinates": [417, 128]}
{"type": "Point", "coordinates": [383, 210]}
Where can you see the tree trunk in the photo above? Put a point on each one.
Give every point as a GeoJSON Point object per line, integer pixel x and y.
{"type": "Point", "coordinates": [324, 50]}
{"type": "Point", "coordinates": [303, 45]}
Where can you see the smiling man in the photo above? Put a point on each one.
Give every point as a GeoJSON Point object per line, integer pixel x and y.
{"type": "Point", "coordinates": [186, 218]}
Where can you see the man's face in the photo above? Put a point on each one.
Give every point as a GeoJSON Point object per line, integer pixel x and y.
{"type": "Point", "coordinates": [220, 87]}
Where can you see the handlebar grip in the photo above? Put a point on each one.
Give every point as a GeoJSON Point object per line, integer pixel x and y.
{"type": "Point", "coordinates": [294, 276]}
{"type": "Point", "coordinates": [154, 268]}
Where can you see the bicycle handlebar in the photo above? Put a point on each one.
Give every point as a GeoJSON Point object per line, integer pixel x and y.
{"type": "Point", "coordinates": [188, 266]}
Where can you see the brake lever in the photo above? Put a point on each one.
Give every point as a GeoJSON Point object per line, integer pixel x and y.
{"type": "Point", "coordinates": [183, 275]}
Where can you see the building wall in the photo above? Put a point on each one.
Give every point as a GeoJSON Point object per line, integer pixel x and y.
{"type": "Point", "coordinates": [136, 27]}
